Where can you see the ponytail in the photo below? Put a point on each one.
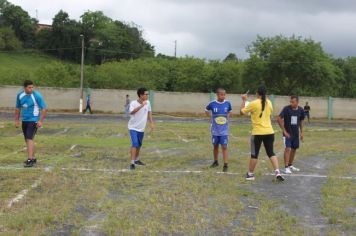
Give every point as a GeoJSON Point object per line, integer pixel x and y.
{"type": "Point", "coordinates": [262, 92]}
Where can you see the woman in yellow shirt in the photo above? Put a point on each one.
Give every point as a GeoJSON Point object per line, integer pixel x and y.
{"type": "Point", "coordinates": [262, 131]}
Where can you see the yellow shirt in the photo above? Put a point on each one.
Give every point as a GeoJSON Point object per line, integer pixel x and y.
{"type": "Point", "coordinates": [260, 125]}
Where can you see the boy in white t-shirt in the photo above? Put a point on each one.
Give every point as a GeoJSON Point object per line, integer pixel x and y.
{"type": "Point", "coordinates": [140, 112]}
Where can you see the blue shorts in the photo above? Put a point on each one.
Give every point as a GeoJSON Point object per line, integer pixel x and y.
{"type": "Point", "coordinates": [292, 142]}
{"type": "Point", "coordinates": [136, 138]}
{"type": "Point", "coordinates": [222, 140]}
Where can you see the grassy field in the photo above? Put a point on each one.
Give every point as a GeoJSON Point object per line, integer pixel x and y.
{"type": "Point", "coordinates": [81, 187]}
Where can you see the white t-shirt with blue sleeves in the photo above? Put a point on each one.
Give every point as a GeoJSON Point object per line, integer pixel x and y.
{"type": "Point", "coordinates": [30, 105]}
{"type": "Point", "coordinates": [219, 117]}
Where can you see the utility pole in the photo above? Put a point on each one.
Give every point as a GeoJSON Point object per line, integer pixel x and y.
{"type": "Point", "coordinates": [36, 14]}
{"type": "Point", "coordinates": [81, 76]}
{"type": "Point", "coordinates": [175, 48]}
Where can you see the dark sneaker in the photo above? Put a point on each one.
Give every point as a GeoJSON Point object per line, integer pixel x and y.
{"type": "Point", "coordinates": [140, 163]}
{"type": "Point", "coordinates": [132, 167]}
{"type": "Point", "coordinates": [250, 176]}
{"type": "Point", "coordinates": [279, 177]}
{"type": "Point", "coordinates": [29, 163]}
{"type": "Point", "coordinates": [215, 164]}
{"type": "Point", "coordinates": [33, 160]}
{"type": "Point", "coordinates": [225, 168]}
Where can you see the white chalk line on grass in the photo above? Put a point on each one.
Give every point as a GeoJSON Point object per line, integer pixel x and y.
{"type": "Point", "coordinates": [180, 138]}
{"type": "Point", "coordinates": [330, 129]}
{"type": "Point", "coordinates": [62, 131]}
{"type": "Point", "coordinates": [24, 192]}
{"type": "Point", "coordinates": [179, 172]}
{"type": "Point", "coordinates": [72, 147]}
{"type": "Point", "coordinates": [13, 153]}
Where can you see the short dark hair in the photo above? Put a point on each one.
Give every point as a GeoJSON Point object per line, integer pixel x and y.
{"type": "Point", "coordinates": [27, 83]}
{"type": "Point", "coordinates": [294, 97]}
{"type": "Point", "coordinates": [127, 95]}
{"type": "Point", "coordinates": [219, 89]}
{"type": "Point", "coordinates": [141, 91]}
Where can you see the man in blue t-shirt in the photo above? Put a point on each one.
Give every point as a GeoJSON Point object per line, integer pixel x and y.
{"type": "Point", "coordinates": [291, 121]}
{"type": "Point", "coordinates": [220, 112]}
{"type": "Point", "coordinates": [88, 107]}
{"type": "Point", "coordinates": [32, 108]}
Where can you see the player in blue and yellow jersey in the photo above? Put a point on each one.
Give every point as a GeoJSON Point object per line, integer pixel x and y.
{"type": "Point", "coordinates": [220, 112]}
{"type": "Point", "coordinates": [31, 106]}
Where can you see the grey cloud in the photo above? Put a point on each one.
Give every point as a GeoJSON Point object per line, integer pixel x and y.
{"type": "Point", "coordinates": [212, 28]}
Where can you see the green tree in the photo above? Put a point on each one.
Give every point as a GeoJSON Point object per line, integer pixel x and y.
{"type": "Point", "coordinates": [8, 39]}
{"type": "Point", "coordinates": [348, 66]}
{"type": "Point", "coordinates": [108, 40]}
{"type": "Point", "coordinates": [291, 66]}
{"type": "Point", "coordinates": [231, 57]}
{"type": "Point", "coordinates": [227, 75]}
{"type": "Point", "coordinates": [63, 40]}
{"type": "Point", "coordinates": [19, 20]}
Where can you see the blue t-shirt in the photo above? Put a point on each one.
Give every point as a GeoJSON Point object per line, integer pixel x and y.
{"type": "Point", "coordinates": [219, 117]}
{"type": "Point", "coordinates": [292, 118]}
{"type": "Point", "coordinates": [30, 105]}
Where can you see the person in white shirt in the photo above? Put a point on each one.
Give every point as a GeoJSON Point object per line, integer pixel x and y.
{"type": "Point", "coordinates": [140, 112]}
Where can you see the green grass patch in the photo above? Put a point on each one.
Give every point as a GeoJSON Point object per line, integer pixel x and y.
{"type": "Point", "coordinates": [145, 203]}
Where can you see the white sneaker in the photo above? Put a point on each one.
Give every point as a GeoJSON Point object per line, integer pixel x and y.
{"type": "Point", "coordinates": [287, 170]}
{"type": "Point", "coordinates": [294, 168]}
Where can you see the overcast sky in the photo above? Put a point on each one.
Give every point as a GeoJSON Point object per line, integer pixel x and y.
{"type": "Point", "coordinates": [213, 28]}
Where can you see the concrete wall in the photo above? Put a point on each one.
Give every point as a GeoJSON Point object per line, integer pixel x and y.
{"type": "Point", "coordinates": [104, 100]}
{"type": "Point", "coordinates": [180, 102]}
{"type": "Point", "coordinates": [318, 105]}
{"type": "Point", "coordinates": [344, 108]}
{"type": "Point", "coordinates": [109, 100]}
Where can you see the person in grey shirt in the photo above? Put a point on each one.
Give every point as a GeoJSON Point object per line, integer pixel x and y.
{"type": "Point", "coordinates": [127, 106]}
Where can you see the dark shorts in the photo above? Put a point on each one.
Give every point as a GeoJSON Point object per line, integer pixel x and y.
{"type": "Point", "coordinates": [222, 140]}
{"type": "Point", "coordinates": [292, 142]}
{"type": "Point", "coordinates": [256, 142]}
{"type": "Point", "coordinates": [306, 114]}
{"type": "Point", "coordinates": [29, 129]}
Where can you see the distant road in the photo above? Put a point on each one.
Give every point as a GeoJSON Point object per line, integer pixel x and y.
{"type": "Point", "coordinates": [96, 118]}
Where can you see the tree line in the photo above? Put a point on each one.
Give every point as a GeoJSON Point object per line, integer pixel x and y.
{"type": "Point", "coordinates": [117, 56]}
{"type": "Point", "coordinates": [105, 39]}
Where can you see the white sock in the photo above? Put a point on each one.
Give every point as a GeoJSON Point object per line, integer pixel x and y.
{"type": "Point", "coordinates": [276, 171]}
{"type": "Point", "coordinates": [250, 173]}
{"type": "Point", "coordinates": [133, 162]}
